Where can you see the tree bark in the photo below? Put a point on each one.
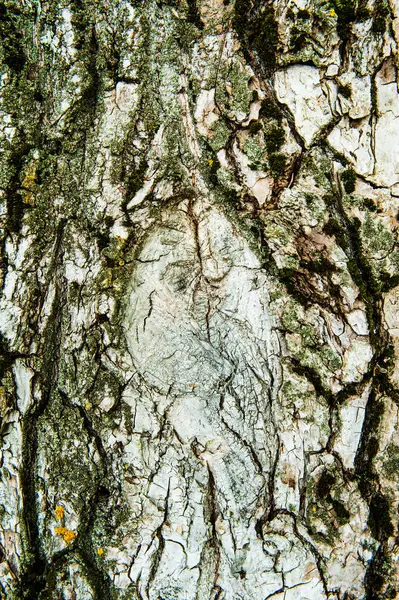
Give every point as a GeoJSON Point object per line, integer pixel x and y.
{"type": "Point", "coordinates": [199, 314]}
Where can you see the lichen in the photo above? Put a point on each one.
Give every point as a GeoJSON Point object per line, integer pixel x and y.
{"type": "Point", "coordinates": [67, 534]}
{"type": "Point", "coordinates": [59, 513]}
{"type": "Point", "coordinates": [391, 462]}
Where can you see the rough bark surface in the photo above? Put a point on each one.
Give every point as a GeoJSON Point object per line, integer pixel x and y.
{"type": "Point", "coordinates": [199, 317]}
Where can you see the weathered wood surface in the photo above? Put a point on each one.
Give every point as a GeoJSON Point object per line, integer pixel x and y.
{"type": "Point", "coordinates": [199, 314]}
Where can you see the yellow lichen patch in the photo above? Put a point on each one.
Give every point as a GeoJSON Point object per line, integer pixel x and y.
{"type": "Point", "coordinates": [210, 161]}
{"type": "Point", "coordinates": [59, 513]}
{"type": "Point", "coordinates": [28, 184]}
{"type": "Point", "coordinates": [100, 551]}
{"type": "Point", "coordinates": [333, 13]}
{"type": "Point", "coordinates": [107, 281]}
{"type": "Point", "coordinates": [87, 405]}
{"type": "Point", "coordinates": [120, 241]}
{"type": "Point", "coordinates": [65, 533]}
{"type": "Point", "coordinates": [3, 399]}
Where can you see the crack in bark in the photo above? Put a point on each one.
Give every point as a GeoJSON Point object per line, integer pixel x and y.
{"type": "Point", "coordinates": [32, 580]}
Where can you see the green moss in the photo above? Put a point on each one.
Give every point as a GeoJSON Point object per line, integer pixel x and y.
{"type": "Point", "coordinates": [343, 515]}
{"type": "Point", "coordinates": [305, 26]}
{"type": "Point", "coordinates": [380, 15]}
{"type": "Point", "coordinates": [348, 178]}
{"type": "Point", "coordinates": [378, 575]}
{"type": "Point", "coordinates": [186, 34]}
{"type": "Point", "coordinates": [324, 485]}
{"type": "Point", "coordinates": [304, 15]}
{"type": "Point", "coordinates": [391, 463]}
{"type": "Point", "coordinates": [298, 39]}
{"type": "Point", "coordinates": [274, 137]}
{"type": "Point", "coordinates": [193, 15]}
{"type": "Point", "coordinates": [277, 162]}
{"type": "Point", "coordinates": [257, 28]}
{"type": "Point", "coordinates": [363, 12]}
{"type": "Point", "coordinates": [19, 100]}
{"type": "Point", "coordinates": [73, 476]}
{"type": "Point", "coordinates": [318, 166]}
{"type": "Point", "coordinates": [346, 10]}
{"type": "Point", "coordinates": [388, 282]}
{"type": "Point", "coordinates": [370, 205]}
{"type": "Point", "coordinates": [211, 166]}
{"type": "Point", "coordinates": [379, 517]}
{"type": "Point", "coordinates": [59, 152]}
{"type": "Point", "coordinates": [326, 506]}
{"type": "Point", "coordinates": [276, 231]}
{"type": "Point", "coordinates": [11, 46]}
{"type": "Point", "coordinates": [14, 198]}
{"type": "Point", "coordinates": [369, 446]}
{"type": "Point", "coordinates": [270, 110]}
{"type": "Point", "coordinates": [264, 37]}
{"type": "Point", "coordinates": [255, 127]}
{"type": "Point", "coordinates": [291, 278]}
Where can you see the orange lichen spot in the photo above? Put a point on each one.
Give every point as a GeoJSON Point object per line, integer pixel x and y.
{"type": "Point", "coordinates": [59, 513]}
{"type": "Point", "coordinates": [100, 551]}
{"type": "Point", "coordinates": [87, 405]}
{"type": "Point", "coordinates": [67, 534]}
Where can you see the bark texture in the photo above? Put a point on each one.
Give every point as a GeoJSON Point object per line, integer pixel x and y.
{"type": "Point", "coordinates": [199, 316]}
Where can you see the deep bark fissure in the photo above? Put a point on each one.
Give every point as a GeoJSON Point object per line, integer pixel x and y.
{"type": "Point", "coordinates": [32, 580]}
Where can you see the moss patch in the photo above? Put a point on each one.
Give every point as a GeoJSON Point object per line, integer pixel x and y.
{"type": "Point", "coordinates": [256, 26]}
{"type": "Point", "coordinates": [348, 178]}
